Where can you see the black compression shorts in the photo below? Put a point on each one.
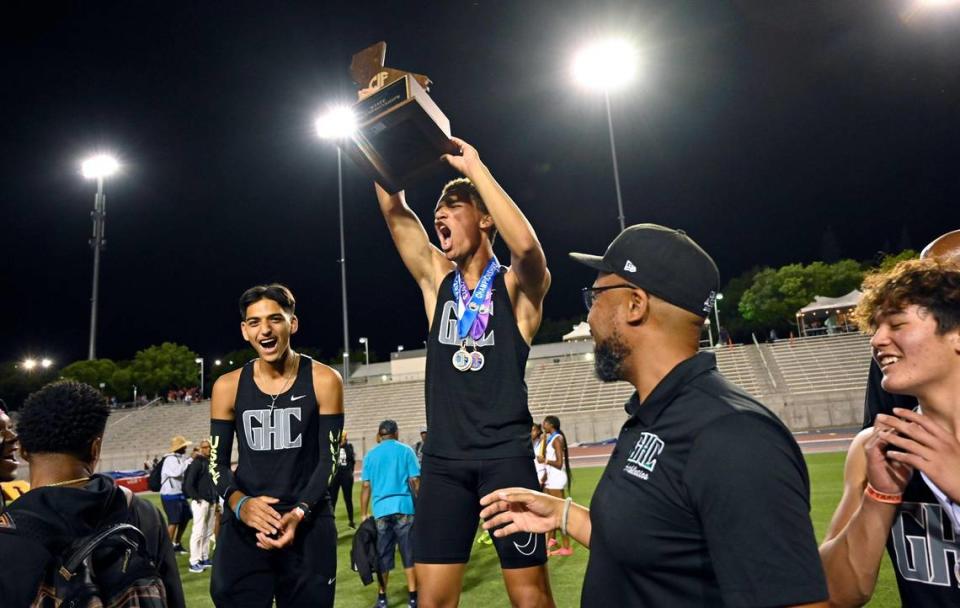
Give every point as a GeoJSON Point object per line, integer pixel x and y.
{"type": "Point", "coordinates": [448, 510]}
{"type": "Point", "coordinates": [303, 574]}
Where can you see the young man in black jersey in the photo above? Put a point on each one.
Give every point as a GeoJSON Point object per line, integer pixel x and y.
{"type": "Point", "coordinates": [481, 318]}
{"type": "Point", "coordinates": [278, 538]}
{"type": "Point", "coordinates": [902, 476]}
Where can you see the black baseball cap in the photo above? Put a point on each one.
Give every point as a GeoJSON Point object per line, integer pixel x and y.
{"type": "Point", "coordinates": [387, 427]}
{"type": "Point", "coordinates": [664, 262]}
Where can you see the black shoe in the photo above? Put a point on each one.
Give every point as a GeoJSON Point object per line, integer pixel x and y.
{"type": "Point", "coordinates": [178, 548]}
{"type": "Point", "coordinates": [352, 525]}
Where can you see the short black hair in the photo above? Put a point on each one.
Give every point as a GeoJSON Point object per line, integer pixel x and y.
{"type": "Point", "coordinates": [63, 417]}
{"type": "Point", "coordinates": [464, 189]}
{"type": "Point", "coordinates": [274, 291]}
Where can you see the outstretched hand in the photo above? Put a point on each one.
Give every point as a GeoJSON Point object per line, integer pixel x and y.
{"type": "Point", "coordinates": [926, 446]}
{"type": "Point", "coordinates": [520, 510]}
{"type": "Point", "coordinates": [466, 161]}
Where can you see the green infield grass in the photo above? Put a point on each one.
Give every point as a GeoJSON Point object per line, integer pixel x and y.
{"type": "Point", "coordinates": [483, 586]}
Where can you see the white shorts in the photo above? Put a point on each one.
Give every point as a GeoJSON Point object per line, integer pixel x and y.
{"type": "Point", "coordinates": [556, 479]}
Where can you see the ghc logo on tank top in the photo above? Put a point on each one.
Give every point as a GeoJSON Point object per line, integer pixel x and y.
{"type": "Point", "coordinates": [448, 327]}
{"type": "Point", "coordinates": [924, 557]}
{"type": "Point", "coordinates": [272, 429]}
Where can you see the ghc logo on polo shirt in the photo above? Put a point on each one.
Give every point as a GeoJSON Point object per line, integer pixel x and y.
{"type": "Point", "coordinates": [643, 458]}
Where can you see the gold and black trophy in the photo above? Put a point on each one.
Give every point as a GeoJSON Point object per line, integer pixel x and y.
{"type": "Point", "coordinates": [401, 133]}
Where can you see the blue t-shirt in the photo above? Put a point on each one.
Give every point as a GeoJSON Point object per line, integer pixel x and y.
{"type": "Point", "coordinates": [388, 467]}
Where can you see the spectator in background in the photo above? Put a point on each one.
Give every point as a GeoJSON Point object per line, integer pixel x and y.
{"type": "Point", "coordinates": [204, 504]}
{"type": "Point", "coordinates": [343, 479]}
{"type": "Point", "coordinates": [61, 431]}
{"type": "Point", "coordinates": [391, 475]}
{"type": "Point", "coordinates": [556, 462]}
{"type": "Point", "coordinates": [175, 504]}
{"type": "Point", "coordinates": [539, 449]}
{"type": "Point", "coordinates": [418, 448]}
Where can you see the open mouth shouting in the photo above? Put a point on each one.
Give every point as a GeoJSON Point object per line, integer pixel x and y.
{"type": "Point", "coordinates": [444, 236]}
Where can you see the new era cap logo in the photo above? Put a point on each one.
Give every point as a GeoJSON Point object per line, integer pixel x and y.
{"type": "Point", "coordinates": [629, 267]}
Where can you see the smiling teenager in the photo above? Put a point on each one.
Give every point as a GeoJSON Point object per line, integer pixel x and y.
{"type": "Point", "coordinates": [902, 476]}
{"type": "Point", "coordinates": [278, 538]}
{"type": "Point", "coordinates": [481, 317]}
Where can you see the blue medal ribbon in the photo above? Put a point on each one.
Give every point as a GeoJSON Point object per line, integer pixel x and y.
{"type": "Point", "coordinates": [471, 308]}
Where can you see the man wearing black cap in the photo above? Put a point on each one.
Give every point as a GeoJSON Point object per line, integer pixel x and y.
{"type": "Point", "coordinates": [392, 476]}
{"type": "Point", "coordinates": [705, 499]}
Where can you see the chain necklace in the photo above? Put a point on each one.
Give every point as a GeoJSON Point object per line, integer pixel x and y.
{"type": "Point", "coordinates": [68, 482]}
{"type": "Point", "coordinates": [290, 376]}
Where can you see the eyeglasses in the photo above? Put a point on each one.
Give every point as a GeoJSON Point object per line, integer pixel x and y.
{"type": "Point", "coordinates": [590, 293]}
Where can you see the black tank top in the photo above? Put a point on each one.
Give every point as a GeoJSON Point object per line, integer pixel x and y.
{"type": "Point", "coordinates": [924, 550]}
{"type": "Point", "coordinates": [482, 414]}
{"type": "Point", "coordinates": [279, 448]}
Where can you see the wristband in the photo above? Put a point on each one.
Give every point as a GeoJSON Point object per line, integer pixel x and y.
{"type": "Point", "coordinates": [236, 509]}
{"type": "Point", "coordinates": [566, 514]}
{"type": "Point", "coordinates": [885, 498]}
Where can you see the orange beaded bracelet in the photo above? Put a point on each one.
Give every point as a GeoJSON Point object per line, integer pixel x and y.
{"type": "Point", "coordinates": [890, 499]}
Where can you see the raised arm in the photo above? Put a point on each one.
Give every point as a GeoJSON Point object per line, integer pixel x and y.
{"type": "Point", "coordinates": [527, 259]}
{"type": "Point", "coordinates": [855, 540]}
{"type": "Point", "coordinates": [424, 261]}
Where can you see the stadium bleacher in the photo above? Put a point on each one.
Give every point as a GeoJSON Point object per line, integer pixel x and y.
{"type": "Point", "coordinates": [823, 377]}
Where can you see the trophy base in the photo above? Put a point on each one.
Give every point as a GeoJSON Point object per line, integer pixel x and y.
{"type": "Point", "coordinates": [401, 135]}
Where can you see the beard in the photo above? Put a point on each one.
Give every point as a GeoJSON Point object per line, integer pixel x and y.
{"type": "Point", "coordinates": [608, 358]}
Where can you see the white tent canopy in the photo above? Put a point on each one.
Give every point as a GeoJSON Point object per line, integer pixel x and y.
{"type": "Point", "coordinates": [821, 303]}
{"type": "Point", "coordinates": [581, 331]}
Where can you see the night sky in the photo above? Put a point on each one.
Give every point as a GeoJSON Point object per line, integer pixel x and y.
{"type": "Point", "coordinates": [753, 127]}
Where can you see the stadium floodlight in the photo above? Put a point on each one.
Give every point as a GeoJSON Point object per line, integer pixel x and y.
{"type": "Point", "coordinates": [29, 364]}
{"type": "Point", "coordinates": [199, 361]}
{"type": "Point", "coordinates": [217, 362]}
{"type": "Point", "coordinates": [46, 363]}
{"type": "Point", "coordinates": [608, 65]}
{"type": "Point", "coordinates": [716, 313]}
{"type": "Point", "coordinates": [99, 166]}
{"type": "Point", "coordinates": [366, 351]}
{"type": "Point", "coordinates": [338, 122]}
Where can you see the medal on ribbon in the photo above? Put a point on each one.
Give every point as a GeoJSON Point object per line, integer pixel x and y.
{"type": "Point", "coordinates": [473, 315]}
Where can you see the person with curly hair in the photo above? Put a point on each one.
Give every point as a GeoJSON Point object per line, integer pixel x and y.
{"type": "Point", "coordinates": [61, 429]}
{"type": "Point", "coordinates": [902, 476]}
{"type": "Point", "coordinates": [876, 400]}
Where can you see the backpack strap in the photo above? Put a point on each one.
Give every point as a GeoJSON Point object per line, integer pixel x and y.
{"type": "Point", "coordinates": [86, 546]}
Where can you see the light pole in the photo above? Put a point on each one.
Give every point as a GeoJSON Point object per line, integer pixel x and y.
{"type": "Point", "coordinates": [98, 167]}
{"type": "Point", "coordinates": [716, 314]}
{"type": "Point", "coordinates": [607, 65]}
{"type": "Point", "coordinates": [200, 361]}
{"type": "Point", "coordinates": [366, 351]}
{"type": "Point", "coordinates": [336, 124]}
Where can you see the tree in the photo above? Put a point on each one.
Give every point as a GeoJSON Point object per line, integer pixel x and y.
{"type": "Point", "coordinates": [553, 330]}
{"type": "Point", "coordinates": [94, 373]}
{"type": "Point", "coordinates": [730, 317]}
{"type": "Point", "coordinates": [890, 260]}
{"type": "Point", "coordinates": [776, 295]}
{"type": "Point", "coordinates": [157, 369]}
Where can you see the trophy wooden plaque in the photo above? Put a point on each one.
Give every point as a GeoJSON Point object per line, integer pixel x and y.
{"type": "Point", "coordinates": [401, 133]}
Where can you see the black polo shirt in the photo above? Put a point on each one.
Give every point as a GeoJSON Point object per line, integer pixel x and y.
{"type": "Point", "coordinates": [705, 502]}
